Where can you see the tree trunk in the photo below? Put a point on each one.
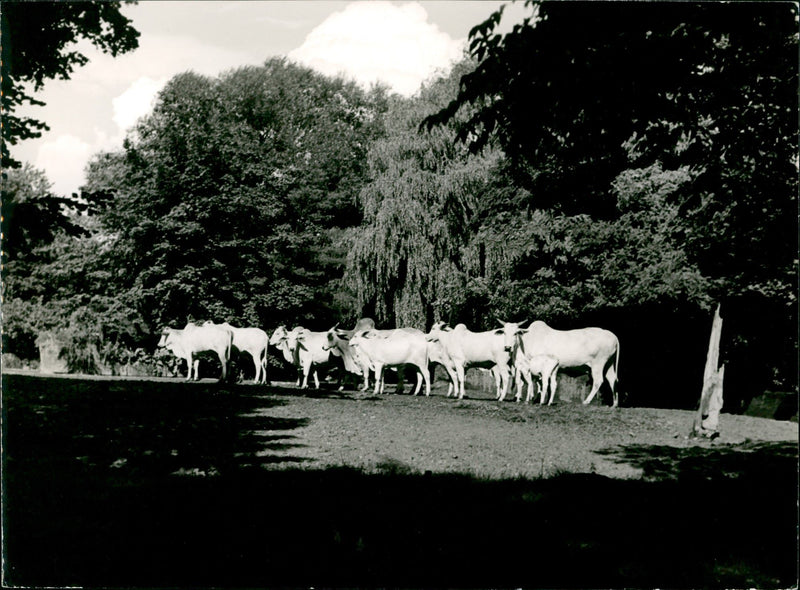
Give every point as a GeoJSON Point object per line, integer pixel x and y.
{"type": "Point", "coordinates": [706, 421]}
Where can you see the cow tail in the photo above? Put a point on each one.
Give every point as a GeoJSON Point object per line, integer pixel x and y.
{"type": "Point", "coordinates": [265, 362]}
{"type": "Point", "coordinates": [616, 362]}
{"type": "Point", "coordinates": [228, 348]}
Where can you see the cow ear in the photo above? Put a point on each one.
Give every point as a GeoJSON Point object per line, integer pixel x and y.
{"type": "Point", "coordinates": [431, 338]}
{"type": "Point", "coordinates": [499, 332]}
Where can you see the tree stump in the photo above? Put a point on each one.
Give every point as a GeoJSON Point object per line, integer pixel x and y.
{"type": "Point", "coordinates": [706, 421]}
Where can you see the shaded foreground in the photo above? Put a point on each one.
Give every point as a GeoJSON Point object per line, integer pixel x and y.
{"type": "Point", "coordinates": [161, 483]}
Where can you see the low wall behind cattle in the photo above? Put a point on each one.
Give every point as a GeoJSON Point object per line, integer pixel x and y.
{"type": "Point", "coordinates": [571, 388]}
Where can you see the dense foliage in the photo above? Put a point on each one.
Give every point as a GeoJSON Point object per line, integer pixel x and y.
{"type": "Point", "coordinates": [622, 165]}
{"type": "Point", "coordinates": [231, 195]}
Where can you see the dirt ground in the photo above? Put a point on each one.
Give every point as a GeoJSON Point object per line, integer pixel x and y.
{"type": "Point", "coordinates": [123, 482]}
{"type": "Point", "coordinates": [493, 439]}
{"type": "Point", "coordinates": [477, 435]}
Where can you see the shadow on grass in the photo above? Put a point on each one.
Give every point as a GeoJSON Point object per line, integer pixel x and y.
{"type": "Point", "coordinates": [708, 461]}
{"type": "Point", "coordinates": [139, 524]}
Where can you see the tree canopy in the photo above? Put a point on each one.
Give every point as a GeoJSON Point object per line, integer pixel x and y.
{"type": "Point", "coordinates": [38, 45]}
{"type": "Point", "coordinates": [229, 196]}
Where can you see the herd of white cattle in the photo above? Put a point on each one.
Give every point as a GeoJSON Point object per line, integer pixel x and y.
{"type": "Point", "coordinates": [510, 353]}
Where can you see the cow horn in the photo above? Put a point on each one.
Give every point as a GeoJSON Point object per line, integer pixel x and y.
{"type": "Point", "coordinates": [501, 321]}
{"type": "Point", "coordinates": [521, 323]}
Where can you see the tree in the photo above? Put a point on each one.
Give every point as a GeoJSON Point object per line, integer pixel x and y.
{"type": "Point", "coordinates": [423, 201]}
{"type": "Point", "coordinates": [229, 197]}
{"type": "Point", "coordinates": [588, 99]}
{"type": "Point", "coordinates": [38, 45]}
{"type": "Point", "coordinates": [33, 216]}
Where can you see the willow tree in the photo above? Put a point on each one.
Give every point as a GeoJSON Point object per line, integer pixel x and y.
{"type": "Point", "coordinates": [406, 264]}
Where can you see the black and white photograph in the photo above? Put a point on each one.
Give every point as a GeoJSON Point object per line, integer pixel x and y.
{"type": "Point", "coordinates": [399, 294]}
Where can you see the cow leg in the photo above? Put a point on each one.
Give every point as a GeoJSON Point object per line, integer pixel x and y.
{"type": "Point", "coordinates": [502, 381]}
{"type": "Point", "coordinates": [518, 383]}
{"type": "Point", "coordinates": [418, 386]}
{"type": "Point", "coordinates": [306, 370]}
{"type": "Point", "coordinates": [424, 372]}
{"type": "Point", "coordinates": [529, 381]}
{"type": "Point", "coordinates": [378, 378]}
{"type": "Point", "coordinates": [553, 384]}
{"type": "Point", "coordinates": [542, 385]}
{"type": "Point", "coordinates": [597, 381]}
{"type": "Point", "coordinates": [224, 364]}
{"type": "Point", "coordinates": [188, 368]}
{"type": "Point", "coordinates": [611, 377]}
{"type": "Point", "coordinates": [257, 365]}
{"type": "Point", "coordinates": [316, 379]}
{"type": "Point", "coordinates": [461, 373]}
{"type": "Point", "coordinates": [453, 385]}
{"type": "Point", "coordinates": [264, 366]}
{"type": "Point", "coordinates": [196, 365]}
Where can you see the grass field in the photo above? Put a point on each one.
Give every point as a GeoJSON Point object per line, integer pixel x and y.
{"type": "Point", "coordinates": [145, 483]}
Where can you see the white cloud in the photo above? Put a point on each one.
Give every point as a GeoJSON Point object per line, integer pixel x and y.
{"type": "Point", "coordinates": [64, 159]}
{"type": "Point", "coordinates": [91, 111]}
{"type": "Point", "coordinates": [372, 41]}
{"type": "Point", "coordinates": [136, 101]}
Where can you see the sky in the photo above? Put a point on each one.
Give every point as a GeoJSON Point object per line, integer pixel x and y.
{"type": "Point", "coordinates": [399, 43]}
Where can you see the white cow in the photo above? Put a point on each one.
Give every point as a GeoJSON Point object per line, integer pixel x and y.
{"type": "Point", "coordinates": [474, 349]}
{"type": "Point", "coordinates": [543, 366]}
{"type": "Point", "coordinates": [192, 340]}
{"type": "Point", "coordinates": [354, 361]}
{"type": "Point", "coordinates": [253, 341]}
{"type": "Point", "coordinates": [393, 348]}
{"type": "Point", "coordinates": [595, 348]}
{"type": "Point", "coordinates": [280, 340]}
{"type": "Point", "coordinates": [311, 351]}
